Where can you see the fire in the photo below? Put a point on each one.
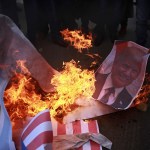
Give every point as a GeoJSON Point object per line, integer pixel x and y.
{"type": "Point", "coordinates": [72, 83]}
{"type": "Point", "coordinates": [21, 65]}
{"type": "Point", "coordinates": [77, 39]}
{"type": "Point", "coordinates": [24, 98]}
{"type": "Point", "coordinates": [144, 93]}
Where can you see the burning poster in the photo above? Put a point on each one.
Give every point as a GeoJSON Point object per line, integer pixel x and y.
{"type": "Point", "coordinates": [118, 82]}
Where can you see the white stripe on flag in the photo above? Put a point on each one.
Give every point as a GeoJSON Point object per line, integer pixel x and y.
{"type": "Point", "coordinates": [69, 128]}
{"type": "Point", "coordinates": [85, 129]}
{"type": "Point", "coordinates": [38, 130]}
{"type": "Point", "coordinates": [41, 147]}
{"type": "Point", "coordinates": [42, 112]}
{"type": "Point", "coordinates": [46, 146]}
{"type": "Point", "coordinates": [54, 126]}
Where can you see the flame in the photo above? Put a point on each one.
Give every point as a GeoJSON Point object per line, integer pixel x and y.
{"type": "Point", "coordinates": [72, 83]}
{"type": "Point", "coordinates": [77, 39]}
{"type": "Point", "coordinates": [24, 98]}
{"type": "Point", "coordinates": [144, 93]}
{"type": "Point", "coordinates": [21, 65]}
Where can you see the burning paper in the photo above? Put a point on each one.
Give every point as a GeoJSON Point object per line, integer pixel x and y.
{"type": "Point", "coordinates": [80, 134]}
{"type": "Point", "coordinates": [13, 47]}
{"type": "Point", "coordinates": [72, 83]}
{"type": "Point", "coordinates": [77, 39]}
{"type": "Point", "coordinates": [144, 93]}
{"type": "Point", "coordinates": [24, 97]}
{"type": "Point", "coordinates": [125, 75]}
{"type": "Point", "coordinates": [118, 82]}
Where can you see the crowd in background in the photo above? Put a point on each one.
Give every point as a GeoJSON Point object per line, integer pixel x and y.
{"type": "Point", "coordinates": [55, 15]}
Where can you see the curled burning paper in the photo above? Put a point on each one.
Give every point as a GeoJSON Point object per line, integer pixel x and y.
{"type": "Point", "coordinates": [119, 79]}
{"type": "Point", "coordinates": [65, 142]}
{"type": "Point", "coordinates": [15, 46]}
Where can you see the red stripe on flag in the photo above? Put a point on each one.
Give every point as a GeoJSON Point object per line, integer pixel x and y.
{"type": "Point", "coordinates": [40, 119]}
{"type": "Point", "coordinates": [61, 129]}
{"type": "Point", "coordinates": [77, 130]}
{"type": "Point", "coordinates": [43, 138]}
{"type": "Point", "coordinates": [76, 127]}
{"type": "Point", "coordinates": [92, 125]}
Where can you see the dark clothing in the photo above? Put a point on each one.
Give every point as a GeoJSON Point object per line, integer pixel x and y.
{"type": "Point", "coordinates": [68, 12]}
{"type": "Point", "coordinates": [32, 18]}
{"type": "Point", "coordinates": [142, 16]}
{"type": "Point", "coordinates": [40, 14]}
{"type": "Point", "coordinates": [110, 16]}
{"type": "Point", "coordinates": [122, 101]}
{"type": "Point", "coordinates": [89, 10]}
{"type": "Point", "coordinates": [127, 12]}
{"type": "Point", "coordinates": [9, 8]}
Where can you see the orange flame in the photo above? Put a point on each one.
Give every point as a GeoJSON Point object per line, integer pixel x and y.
{"type": "Point", "coordinates": [23, 96]}
{"type": "Point", "coordinates": [71, 84]}
{"type": "Point", "coordinates": [21, 65]}
{"type": "Point", "coordinates": [144, 93]}
{"type": "Point", "coordinates": [77, 39]}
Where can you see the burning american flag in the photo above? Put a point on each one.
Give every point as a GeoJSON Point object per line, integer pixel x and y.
{"type": "Point", "coordinates": [38, 133]}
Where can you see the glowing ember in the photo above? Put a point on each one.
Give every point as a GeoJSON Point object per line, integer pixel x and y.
{"type": "Point", "coordinates": [77, 39]}
{"type": "Point", "coordinates": [144, 93]}
{"type": "Point", "coordinates": [96, 58]}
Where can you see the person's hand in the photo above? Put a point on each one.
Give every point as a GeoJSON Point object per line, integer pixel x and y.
{"type": "Point", "coordinates": [87, 108]}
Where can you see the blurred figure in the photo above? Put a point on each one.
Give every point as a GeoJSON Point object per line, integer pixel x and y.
{"type": "Point", "coordinates": [68, 12]}
{"type": "Point", "coordinates": [39, 16]}
{"type": "Point", "coordinates": [127, 12]}
{"type": "Point", "coordinates": [110, 16]}
{"type": "Point", "coordinates": [106, 14]}
{"type": "Point", "coordinates": [9, 8]}
{"type": "Point", "coordinates": [142, 17]}
{"type": "Point", "coordinates": [88, 12]}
